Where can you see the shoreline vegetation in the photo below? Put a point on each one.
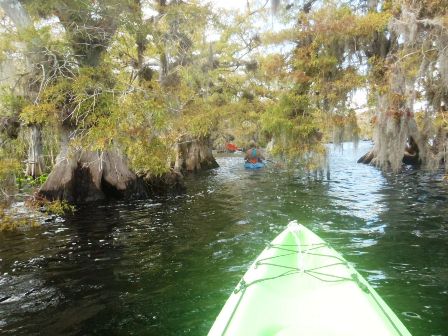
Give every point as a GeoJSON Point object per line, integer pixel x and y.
{"type": "Point", "coordinates": [120, 99]}
{"type": "Point", "coordinates": [24, 210]}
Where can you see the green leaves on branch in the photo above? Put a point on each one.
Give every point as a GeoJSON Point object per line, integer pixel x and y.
{"type": "Point", "coordinates": [151, 155]}
{"type": "Point", "coordinates": [11, 104]}
{"type": "Point", "coordinates": [38, 114]}
{"type": "Point", "coordinates": [296, 129]}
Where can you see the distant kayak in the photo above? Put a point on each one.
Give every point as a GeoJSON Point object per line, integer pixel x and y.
{"type": "Point", "coordinates": [258, 165]}
{"type": "Point", "coordinates": [299, 285]}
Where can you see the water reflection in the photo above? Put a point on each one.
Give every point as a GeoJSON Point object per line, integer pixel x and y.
{"type": "Point", "coordinates": [355, 190]}
{"type": "Point", "coordinates": [166, 266]}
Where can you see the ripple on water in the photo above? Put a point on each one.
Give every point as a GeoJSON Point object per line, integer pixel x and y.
{"type": "Point", "coordinates": [412, 315]}
{"type": "Point", "coordinates": [166, 266]}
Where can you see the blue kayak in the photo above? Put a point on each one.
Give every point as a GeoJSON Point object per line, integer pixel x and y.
{"type": "Point", "coordinates": [258, 165]}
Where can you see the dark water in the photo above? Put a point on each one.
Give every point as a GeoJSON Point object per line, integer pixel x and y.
{"type": "Point", "coordinates": [165, 267]}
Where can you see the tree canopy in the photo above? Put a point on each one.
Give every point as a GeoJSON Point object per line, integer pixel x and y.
{"type": "Point", "coordinates": [141, 77]}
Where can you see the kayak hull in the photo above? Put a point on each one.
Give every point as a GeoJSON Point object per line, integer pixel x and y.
{"type": "Point", "coordinates": [249, 165]}
{"type": "Point", "coordinates": [299, 285]}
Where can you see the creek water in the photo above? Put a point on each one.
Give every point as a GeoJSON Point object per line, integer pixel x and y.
{"type": "Point", "coordinates": [166, 266]}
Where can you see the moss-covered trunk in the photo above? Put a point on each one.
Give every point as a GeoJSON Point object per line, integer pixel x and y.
{"type": "Point", "coordinates": [87, 176]}
{"type": "Point", "coordinates": [34, 60]}
{"type": "Point", "coordinates": [84, 176]}
{"type": "Point", "coordinates": [194, 155]}
{"type": "Point", "coordinates": [35, 165]}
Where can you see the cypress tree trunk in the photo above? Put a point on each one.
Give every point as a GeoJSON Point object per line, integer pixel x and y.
{"type": "Point", "coordinates": [85, 176]}
{"type": "Point", "coordinates": [194, 155]}
{"type": "Point", "coordinates": [82, 175]}
{"type": "Point", "coordinates": [35, 165]}
{"type": "Point", "coordinates": [90, 176]}
{"type": "Point", "coordinates": [19, 16]}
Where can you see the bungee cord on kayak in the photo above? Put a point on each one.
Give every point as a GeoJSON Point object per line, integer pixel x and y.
{"type": "Point", "coordinates": [243, 285]}
{"type": "Point", "coordinates": [300, 260]}
{"type": "Point", "coordinates": [298, 270]}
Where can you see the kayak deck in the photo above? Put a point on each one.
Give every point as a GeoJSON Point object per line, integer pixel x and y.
{"type": "Point", "coordinates": [257, 165]}
{"type": "Point", "coordinates": [300, 285]}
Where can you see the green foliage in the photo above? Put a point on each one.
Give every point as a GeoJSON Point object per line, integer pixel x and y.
{"type": "Point", "coordinates": [9, 221]}
{"type": "Point", "coordinates": [150, 156]}
{"type": "Point", "coordinates": [199, 119]}
{"type": "Point", "coordinates": [59, 208]}
{"type": "Point", "coordinates": [316, 83]}
{"type": "Point", "coordinates": [6, 46]}
{"type": "Point", "coordinates": [38, 113]}
{"type": "Point", "coordinates": [11, 104]}
{"type": "Point", "coordinates": [143, 129]}
{"type": "Point", "coordinates": [10, 167]}
{"type": "Point", "coordinates": [195, 87]}
{"type": "Point", "coordinates": [441, 121]}
{"type": "Point", "coordinates": [294, 125]}
{"type": "Point", "coordinates": [22, 180]}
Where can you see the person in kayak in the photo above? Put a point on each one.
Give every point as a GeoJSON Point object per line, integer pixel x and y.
{"type": "Point", "coordinates": [232, 148]}
{"type": "Point", "coordinates": [253, 154]}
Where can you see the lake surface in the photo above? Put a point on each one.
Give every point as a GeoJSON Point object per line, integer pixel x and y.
{"type": "Point", "coordinates": [166, 266]}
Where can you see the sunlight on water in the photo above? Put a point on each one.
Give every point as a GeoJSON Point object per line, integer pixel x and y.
{"type": "Point", "coordinates": [166, 266]}
{"type": "Point", "coordinates": [354, 187]}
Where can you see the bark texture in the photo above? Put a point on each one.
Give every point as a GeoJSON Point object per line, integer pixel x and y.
{"type": "Point", "coordinates": [171, 182]}
{"type": "Point", "coordinates": [410, 156]}
{"type": "Point", "coordinates": [89, 176]}
{"type": "Point", "coordinates": [194, 155]}
{"type": "Point", "coordinates": [35, 165]}
{"type": "Point", "coordinates": [19, 16]}
{"type": "Point", "coordinates": [10, 126]}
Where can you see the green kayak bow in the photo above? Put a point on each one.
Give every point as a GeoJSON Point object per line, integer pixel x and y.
{"type": "Point", "coordinates": [299, 285]}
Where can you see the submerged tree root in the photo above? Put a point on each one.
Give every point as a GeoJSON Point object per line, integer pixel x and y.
{"type": "Point", "coordinates": [170, 182]}
{"type": "Point", "coordinates": [87, 176]}
{"type": "Point", "coordinates": [91, 176]}
{"type": "Point", "coordinates": [408, 159]}
{"type": "Point", "coordinates": [194, 155]}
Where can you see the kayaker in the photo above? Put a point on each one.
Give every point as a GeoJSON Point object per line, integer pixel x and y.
{"type": "Point", "coordinates": [232, 148]}
{"type": "Point", "coordinates": [253, 154]}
